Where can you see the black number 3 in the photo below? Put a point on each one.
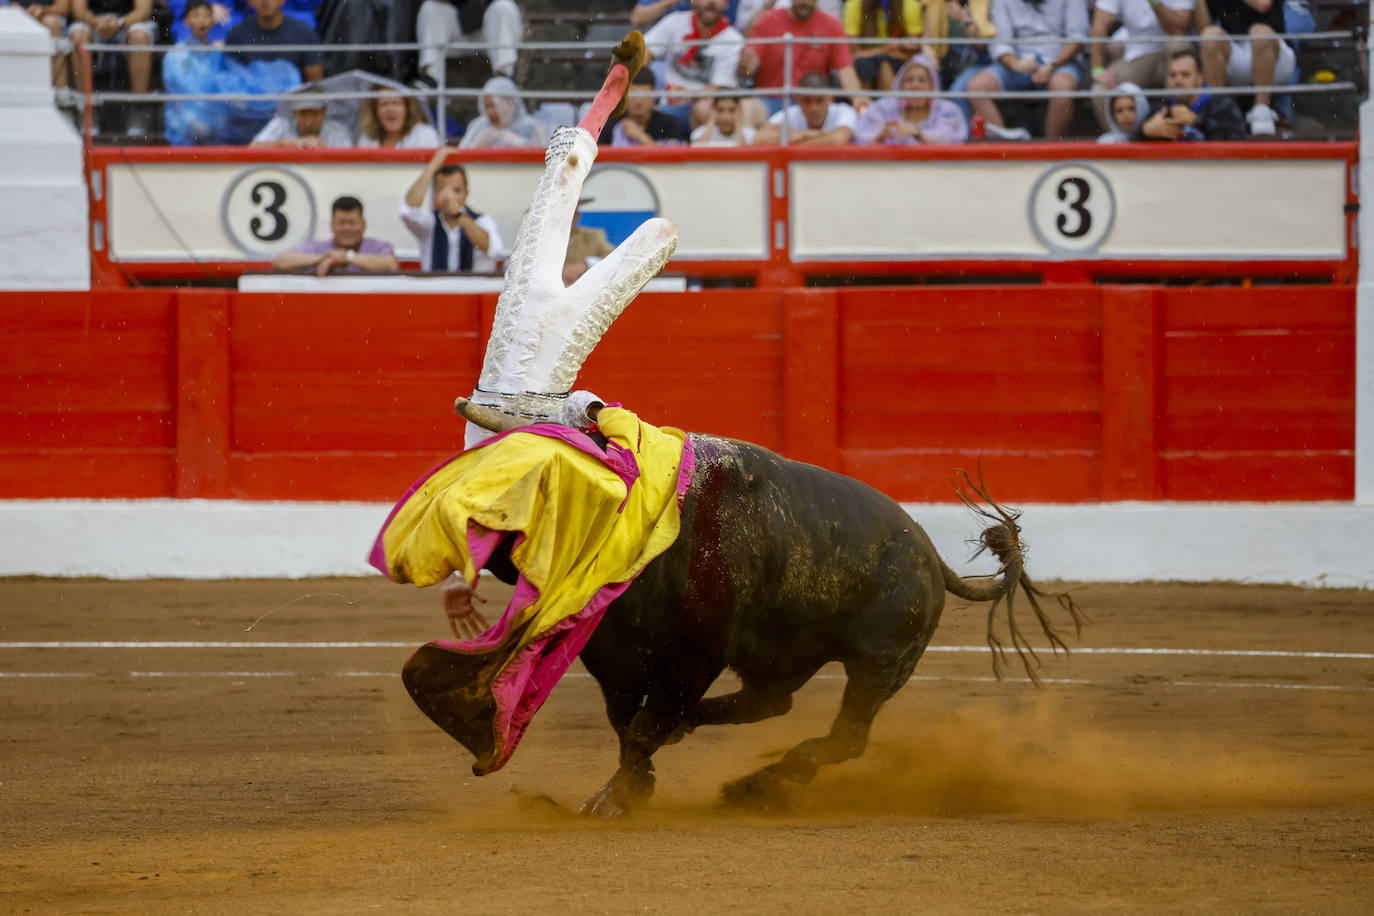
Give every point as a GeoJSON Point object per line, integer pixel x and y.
{"type": "Point", "coordinates": [273, 209]}
{"type": "Point", "coordinates": [1085, 219]}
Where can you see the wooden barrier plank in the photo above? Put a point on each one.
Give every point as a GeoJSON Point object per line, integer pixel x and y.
{"type": "Point", "coordinates": [1208, 354]}
{"type": "Point", "coordinates": [1005, 392]}
{"type": "Point", "coordinates": [86, 473]}
{"type": "Point", "coordinates": [1288, 308]}
{"type": "Point", "coordinates": [910, 475]}
{"type": "Point", "coordinates": [1231, 428]}
{"type": "Point", "coordinates": [1263, 476]}
{"type": "Point", "coordinates": [810, 377]}
{"type": "Point", "coordinates": [991, 428]}
{"type": "Point", "coordinates": [31, 428]}
{"type": "Point", "coordinates": [1130, 393]}
{"type": "Point", "coordinates": [876, 346]}
{"type": "Point", "coordinates": [203, 394]}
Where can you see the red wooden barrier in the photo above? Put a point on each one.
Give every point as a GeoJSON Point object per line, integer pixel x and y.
{"type": "Point", "coordinates": [1064, 393]}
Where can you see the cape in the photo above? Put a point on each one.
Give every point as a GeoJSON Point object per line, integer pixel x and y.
{"type": "Point", "coordinates": [584, 521]}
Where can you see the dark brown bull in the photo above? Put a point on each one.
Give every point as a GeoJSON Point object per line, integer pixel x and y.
{"type": "Point", "coordinates": [780, 568]}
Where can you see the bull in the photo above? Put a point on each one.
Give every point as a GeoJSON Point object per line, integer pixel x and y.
{"type": "Point", "coordinates": [779, 568]}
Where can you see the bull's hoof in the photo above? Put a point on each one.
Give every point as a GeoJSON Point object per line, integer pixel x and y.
{"type": "Point", "coordinates": [765, 790]}
{"type": "Point", "coordinates": [604, 804]}
{"type": "Point", "coordinates": [682, 731]}
{"type": "Point", "coordinates": [616, 798]}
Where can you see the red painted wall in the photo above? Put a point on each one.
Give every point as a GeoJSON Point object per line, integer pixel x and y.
{"type": "Point", "coordinates": [1074, 393]}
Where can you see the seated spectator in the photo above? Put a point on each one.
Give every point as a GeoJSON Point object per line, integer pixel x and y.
{"type": "Point", "coordinates": [642, 124]}
{"type": "Point", "coordinates": [358, 22]}
{"type": "Point", "coordinates": [120, 22]}
{"type": "Point", "coordinates": [190, 72]}
{"type": "Point", "coordinates": [1147, 25]}
{"type": "Point", "coordinates": [816, 118]}
{"type": "Point", "coordinates": [1262, 60]}
{"type": "Point", "coordinates": [877, 64]}
{"type": "Point", "coordinates": [747, 14]}
{"type": "Point", "coordinates": [306, 127]}
{"type": "Point", "coordinates": [270, 26]}
{"type": "Point", "coordinates": [586, 246]}
{"type": "Point", "coordinates": [1124, 111]}
{"type": "Point", "coordinates": [764, 62]}
{"type": "Point", "coordinates": [443, 22]}
{"type": "Point", "coordinates": [1021, 64]}
{"type": "Point", "coordinates": [453, 237]}
{"type": "Point", "coordinates": [919, 119]}
{"type": "Point", "coordinates": [709, 66]}
{"type": "Point", "coordinates": [52, 15]}
{"type": "Point", "coordinates": [348, 250]}
{"type": "Point", "coordinates": [724, 127]}
{"type": "Point", "coordinates": [648, 12]}
{"type": "Point", "coordinates": [1192, 114]}
{"type": "Point", "coordinates": [395, 121]}
{"type": "Point", "coordinates": [504, 120]}
{"type": "Point", "coordinates": [224, 16]}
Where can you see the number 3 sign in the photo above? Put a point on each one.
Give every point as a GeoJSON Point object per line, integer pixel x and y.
{"type": "Point", "coordinates": [268, 209]}
{"type": "Point", "coordinates": [1072, 208]}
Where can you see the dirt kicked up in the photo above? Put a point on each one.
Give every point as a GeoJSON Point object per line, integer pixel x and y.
{"type": "Point", "coordinates": [1211, 749]}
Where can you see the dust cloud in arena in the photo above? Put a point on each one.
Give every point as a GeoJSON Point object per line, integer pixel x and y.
{"type": "Point", "coordinates": [983, 759]}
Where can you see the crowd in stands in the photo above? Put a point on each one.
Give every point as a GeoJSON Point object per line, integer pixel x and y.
{"type": "Point", "coordinates": [843, 57]}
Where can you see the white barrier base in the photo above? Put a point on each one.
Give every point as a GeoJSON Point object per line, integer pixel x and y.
{"type": "Point", "coordinates": [1316, 544]}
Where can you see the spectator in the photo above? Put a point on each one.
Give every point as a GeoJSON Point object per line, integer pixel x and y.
{"type": "Point", "coordinates": [878, 64]}
{"type": "Point", "coordinates": [1123, 111]}
{"type": "Point", "coordinates": [224, 16]}
{"type": "Point", "coordinates": [442, 22]}
{"type": "Point", "coordinates": [270, 26]}
{"type": "Point", "coordinates": [504, 120]}
{"type": "Point", "coordinates": [919, 119]}
{"type": "Point", "coordinates": [1192, 114]}
{"type": "Point", "coordinates": [52, 15]}
{"type": "Point", "coordinates": [642, 124]}
{"type": "Point", "coordinates": [747, 14]}
{"type": "Point", "coordinates": [395, 121]}
{"type": "Point", "coordinates": [1021, 63]}
{"type": "Point", "coordinates": [724, 128]}
{"type": "Point", "coordinates": [120, 22]}
{"type": "Point", "coordinates": [307, 126]}
{"type": "Point", "coordinates": [453, 237]}
{"type": "Point", "coordinates": [707, 66]}
{"type": "Point", "coordinates": [348, 250]}
{"type": "Point", "coordinates": [586, 246]}
{"type": "Point", "coordinates": [1261, 59]}
{"type": "Point", "coordinates": [816, 118]}
{"type": "Point", "coordinates": [648, 12]}
{"type": "Point", "coordinates": [1147, 25]}
{"type": "Point", "coordinates": [765, 62]}
{"type": "Point", "coordinates": [357, 22]}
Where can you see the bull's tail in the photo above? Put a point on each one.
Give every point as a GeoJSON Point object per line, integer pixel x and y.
{"type": "Point", "coordinates": [1002, 538]}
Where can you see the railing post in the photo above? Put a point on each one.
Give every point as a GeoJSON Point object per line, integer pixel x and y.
{"type": "Point", "coordinates": [203, 412]}
{"type": "Point", "coordinates": [442, 80]}
{"type": "Point", "coordinates": [786, 85]}
{"type": "Point", "coordinates": [1130, 400]}
{"type": "Point", "coordinates": [810, 376]}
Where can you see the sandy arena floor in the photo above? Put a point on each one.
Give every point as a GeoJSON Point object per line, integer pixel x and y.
{"type": "Point", "coordinates": [212, 778]}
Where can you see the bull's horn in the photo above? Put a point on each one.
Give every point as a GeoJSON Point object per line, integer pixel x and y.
{"type": "Point", "coordinates": [486, 417]}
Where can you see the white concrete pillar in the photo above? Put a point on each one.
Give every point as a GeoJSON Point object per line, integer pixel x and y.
{"type": "Point", "coordinates": [1364, 311]}
{"type": "Point", "coordinates": [44, 243]}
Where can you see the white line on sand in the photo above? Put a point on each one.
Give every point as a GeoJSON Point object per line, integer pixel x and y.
{"type": "Point", "coordinates": [1089, 650]}
{"type": "Point", "coordinates": [1067, 681]}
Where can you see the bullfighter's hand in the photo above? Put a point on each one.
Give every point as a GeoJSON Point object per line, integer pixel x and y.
{"type": "Point", "coordinates": [464, 619]}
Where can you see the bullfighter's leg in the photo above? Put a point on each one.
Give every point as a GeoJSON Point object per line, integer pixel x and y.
{"type": "Point", "coordinates": [775, 786]}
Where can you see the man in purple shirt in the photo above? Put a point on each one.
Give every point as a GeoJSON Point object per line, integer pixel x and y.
{"type": "Point", "coordinates": [349, 250]}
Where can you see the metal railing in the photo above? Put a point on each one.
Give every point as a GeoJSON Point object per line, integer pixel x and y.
{"type": "Point", "coordinates": [444, 94]}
